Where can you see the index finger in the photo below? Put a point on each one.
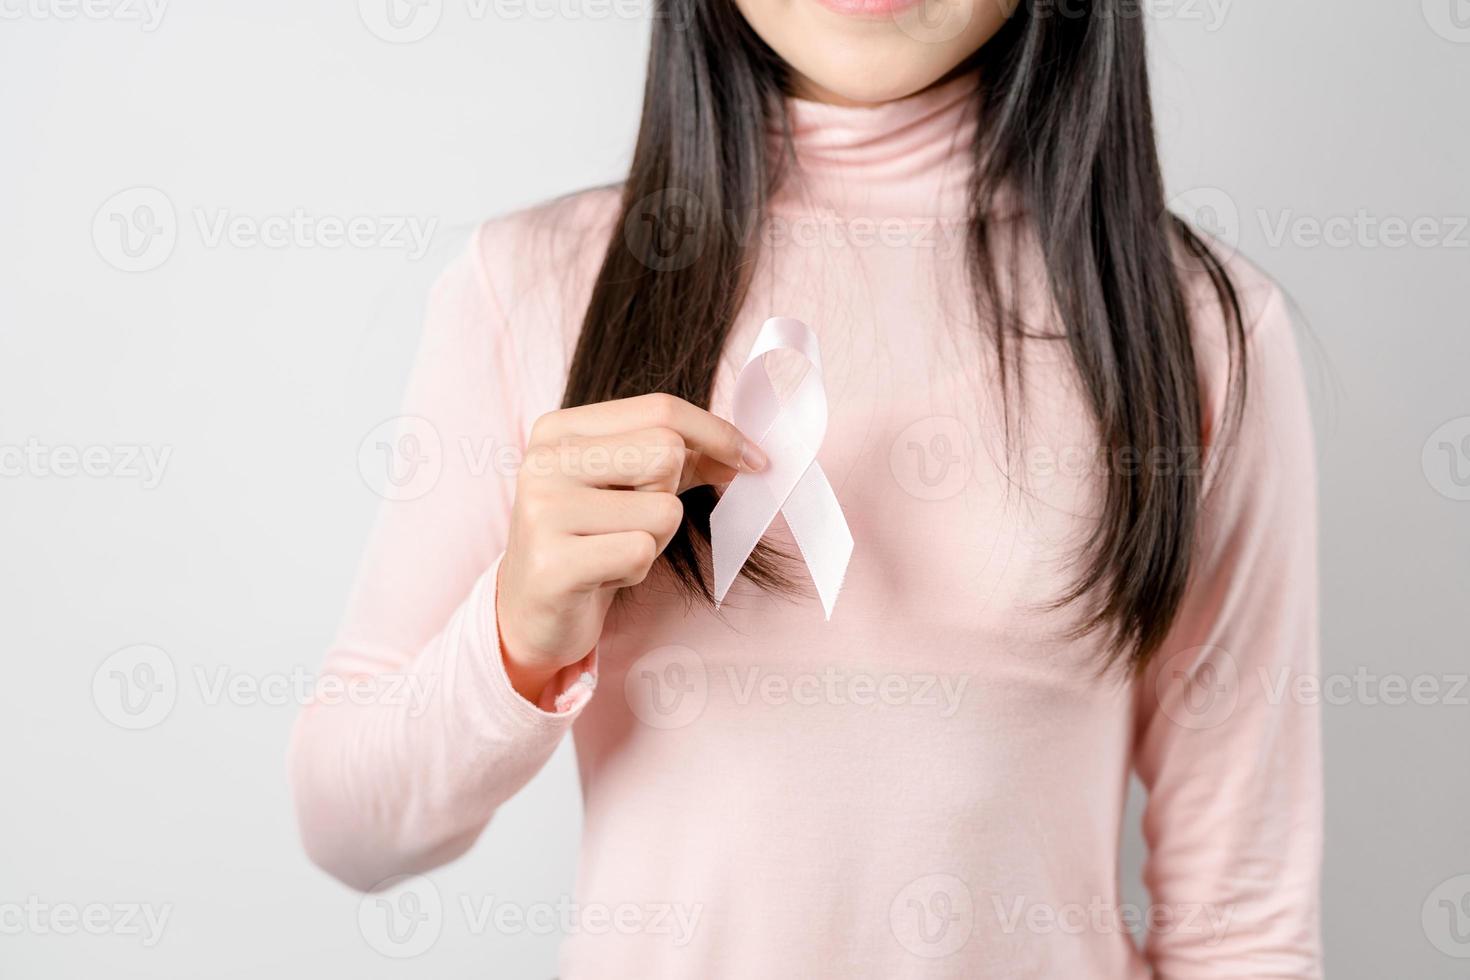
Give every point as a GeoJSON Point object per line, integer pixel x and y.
{"type": "Point", "coordinates": [701, 431]}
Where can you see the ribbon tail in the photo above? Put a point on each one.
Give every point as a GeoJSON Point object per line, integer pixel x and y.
{"type": "Point", "coordinates": [736, 524]}
{"type": "Point", "coordinates": [816, 521]}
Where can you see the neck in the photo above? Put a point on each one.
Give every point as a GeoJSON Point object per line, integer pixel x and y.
{"type": "Point", "coordinates": [807, 90]}
{"type": "Point", "coordinates": [911, 157]}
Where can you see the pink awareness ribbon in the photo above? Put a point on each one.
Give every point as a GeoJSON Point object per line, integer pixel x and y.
{"type": "Point", "coordinates": [793, 482]}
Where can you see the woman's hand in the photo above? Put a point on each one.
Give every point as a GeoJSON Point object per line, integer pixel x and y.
{"type": "Point", "coordinates": [596, 502]}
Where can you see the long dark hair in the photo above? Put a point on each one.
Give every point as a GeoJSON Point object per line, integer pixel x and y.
{"type": "Point", "coordinates": [1068, 129]}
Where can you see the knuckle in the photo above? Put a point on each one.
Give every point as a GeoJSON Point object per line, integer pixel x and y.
{"type": "Point", "coordinates": [645, 550]}
{"type": "Point", "coordinates": [665, 453]}
{"type": "Point", "coordinates": [535, 505]}
{"type": "Point", "coordinates": [543, 427]}
{"type": "Point", "coordinates": [670, 512]}
{"type": "Point", "coordinates": [539, 461]}
{"type": "Point", "coordinates": [541, 566]}
{"type": "Point", "coordinates": [664, 437]}
{"type": "Point", "coordinates": [662, 407]}
{"type": "Point", "coordinates": [626, 461]}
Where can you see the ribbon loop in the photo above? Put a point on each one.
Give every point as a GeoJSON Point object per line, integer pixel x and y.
{"type": "Point", "coordinates": [793, 483]}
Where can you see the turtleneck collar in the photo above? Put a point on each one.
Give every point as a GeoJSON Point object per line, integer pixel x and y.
{"type": "Point", "coordinates": [908, 158]}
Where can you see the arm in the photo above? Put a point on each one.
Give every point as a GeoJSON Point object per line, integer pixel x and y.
{"type": "Point", "coordinates": [1230, 758]}
{"type": "Point", "coordinates": [403, 771]}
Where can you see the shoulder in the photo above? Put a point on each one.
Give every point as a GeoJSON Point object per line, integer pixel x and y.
{"type": "Point", "coordinates": [1273, 439]}
{"type": "Point", "coordinates": [548, 252]}
{"type": "Point", "coordinates": [1263, 307]}
{"type": "Point", "coordinates": [1270, 350]}
{"type": "Point", "coordinates": [515, 295]}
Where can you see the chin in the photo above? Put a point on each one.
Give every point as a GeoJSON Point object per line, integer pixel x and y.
{"type": "Point", "coordinates": [871, 51]}
{"type": "Point", "coordinates": [873, 74]}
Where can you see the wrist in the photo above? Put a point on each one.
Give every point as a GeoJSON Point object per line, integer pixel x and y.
{"type": "Point", "coordinates": [529, 679]}
{"type": "Point", "coordinates": [529, 682]}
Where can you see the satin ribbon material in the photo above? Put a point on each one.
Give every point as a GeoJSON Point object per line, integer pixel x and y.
{"type": "Point", "coordinates": [793, 483]}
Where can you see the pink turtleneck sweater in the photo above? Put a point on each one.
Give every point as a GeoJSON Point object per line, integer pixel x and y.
{"type": "Point", "coordinates": [931, 784]}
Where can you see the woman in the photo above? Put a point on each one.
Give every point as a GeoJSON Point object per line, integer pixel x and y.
{"type": "Point", "coordinates": [1072, 447]}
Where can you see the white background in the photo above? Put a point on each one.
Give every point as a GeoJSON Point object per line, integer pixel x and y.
{"type": "Point", "coordinates": [261, 369]}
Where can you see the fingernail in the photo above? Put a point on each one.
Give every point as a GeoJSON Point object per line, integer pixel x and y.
{"type": "Point", "coordinates": [752, 458]}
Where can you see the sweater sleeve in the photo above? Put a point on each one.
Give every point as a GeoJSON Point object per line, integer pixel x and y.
{"type": "Point", "coordinates": [415, 735]}
{"type": "Point", "coordinates": [1227, 745]}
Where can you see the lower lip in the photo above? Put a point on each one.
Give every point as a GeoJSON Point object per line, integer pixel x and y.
{"type": "Point", "coordinates": [869, 8]}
